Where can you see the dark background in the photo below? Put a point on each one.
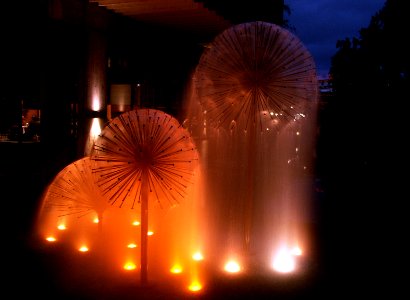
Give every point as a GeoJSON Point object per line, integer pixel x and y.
{"type": "Point", "coordinates": [361, 152]}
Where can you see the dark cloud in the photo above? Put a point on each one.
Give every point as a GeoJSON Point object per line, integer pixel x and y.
{"type": "Point", "coordinates": [320, 23]}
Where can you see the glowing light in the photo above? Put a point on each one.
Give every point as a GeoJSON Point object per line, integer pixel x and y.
{"type": "Point", "coordinates": [132, 245]}
{"type": "Point", "coordinates": [297, 132]}
{"type": "Point", "coordinates": [96, 221]}
{"type": "Point", "coordinates": [83, 249]}
{"type": "Point", "coordinates": [129, 266]}
{"type": "Point", "coordinates": [150, 232]}
{"type": "Point", "coordinates": [232, 267]}
{"type": "Point", "coordinates": [61, 227]}
{"type": "Point", "coordinates": [96, 102]}
{"type": "Point", "coordinates": [284, 262]}
{"type": "Point", "coordinates": [296, 251]}
{"type": "Point", "coordinates": [197, 256]}
{"type": "Point", "coordinates": [95, 128]}
{"type": "Point", "coordinates": [195, 286]}
{"type": "Point", "coordinates": [136, 223]}
{"type": "Point", "coordinates": [176, 269]}
{"type": "Point", "coordinates": [51, 239]}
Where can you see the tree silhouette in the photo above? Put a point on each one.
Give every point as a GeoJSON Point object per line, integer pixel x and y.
{"type": "Point", "coordinates": [359, 146]}
{"type": "Point", "coordinates": [377, 62]}
{"type": "Point", "coordinates": [370, 77]}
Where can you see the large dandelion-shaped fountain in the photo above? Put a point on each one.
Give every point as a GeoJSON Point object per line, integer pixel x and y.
{"type": "Point", "coordinates": [256, 85]}
{"type": "Point", "coordinates": [144, 154]}
{"type": "Point", "coordinates": [254, 75]}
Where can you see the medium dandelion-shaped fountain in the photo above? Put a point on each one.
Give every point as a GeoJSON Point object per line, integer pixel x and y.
{"type": "Point", "coordinates": [144, 154]}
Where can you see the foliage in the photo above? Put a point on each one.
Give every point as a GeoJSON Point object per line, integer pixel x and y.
{"type": "Point", "coordinates": [376, 63]}
{"type": "Point", "coordinates": [361, 121]}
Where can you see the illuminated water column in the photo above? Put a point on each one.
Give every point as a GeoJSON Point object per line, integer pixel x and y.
{"type": "Point", "coordinates": [96, 86]}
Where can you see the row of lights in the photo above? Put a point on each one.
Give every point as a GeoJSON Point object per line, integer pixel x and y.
{"type": "Point", "coordinates": [283, 262]}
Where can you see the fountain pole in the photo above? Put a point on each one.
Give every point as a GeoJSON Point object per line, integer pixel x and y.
{"type": "Point", "coordinates": [144, 226]}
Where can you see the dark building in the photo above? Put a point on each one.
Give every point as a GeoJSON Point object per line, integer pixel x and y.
{"type": "Point", "coordinates": [60, 55]}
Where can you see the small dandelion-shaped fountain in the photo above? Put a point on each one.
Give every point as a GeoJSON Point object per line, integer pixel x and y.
{"type": "Point", "coordinates": [144, 154]}
{"type": "Point", "coordinates": [73, 192]}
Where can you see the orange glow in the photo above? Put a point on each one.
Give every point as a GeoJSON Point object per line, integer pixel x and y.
{"type": "Point", "coordinates": [195, 286]}
{"type": "Point", "coordinates": [232, 267]}
{"type": "Point", "coordinates": [51, 239]}
{"type": "Point", "coordinates": [95, 128]}
{"type": "Point", "coordinates": [176, 269]}
{"type": "Point", "coordinates": [248, 187]}
{"type": "Point", "coordinates": [284, 262]}
{"type": "Point", "coordinates": [83, 249]}
{"type": "Point", "coordinates": [129, 266]}
{"type": "Point", "coordinates": [197, 256]}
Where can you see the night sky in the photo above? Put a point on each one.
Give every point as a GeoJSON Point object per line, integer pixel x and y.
{"type": "Point", "coordinates": [320, 23]}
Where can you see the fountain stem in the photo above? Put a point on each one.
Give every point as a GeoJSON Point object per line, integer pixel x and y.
{"type": "Point", "coordinates": [144, 227]}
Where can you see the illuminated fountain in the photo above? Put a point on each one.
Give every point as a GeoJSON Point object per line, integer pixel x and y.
{"type": "Point", "coordinates": [73, 192]}
{"type": "Point", "coordinates": [143, 158]}
{"type": "Point", "coordinates": [252, 113]}
{"type": "Point", "coordinates": [140, 155]}
{"type": "Point", "coordinates": [244, 207]}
